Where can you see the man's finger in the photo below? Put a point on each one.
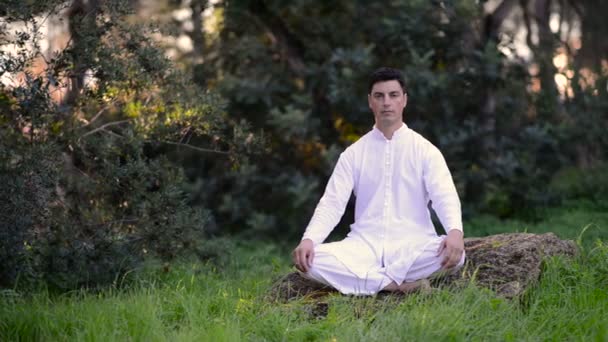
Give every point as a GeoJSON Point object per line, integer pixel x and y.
{"type": "Point", "coordinates": [444, 260]}
{"type": "Point", "coordinates": [454, 259]}
{"type": "Point", "coordinates": [297, 264]}
{"type": "Point", "coordinates": [311, 255]}
{"type": "Point", "coordinates": [447, 260]}
{"type": "Point", "coordinates": [298, 261]}
{"type": "Point", "coordinates": [447, 250]}
{"type": "Point", "coordinates": [441, 247]}
{"type": "Point", "coordinates": [450, 263]}
{"type": "Point", "coordinates": [303, 260]}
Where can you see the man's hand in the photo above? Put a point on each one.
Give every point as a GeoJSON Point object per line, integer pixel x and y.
{"type": "Point", "coordinates": [452, 248]}
{"type": "Point", "coordinates": [303, 255]}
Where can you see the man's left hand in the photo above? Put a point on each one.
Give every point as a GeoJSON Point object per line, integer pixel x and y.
{"type": "Point", "coordinates": [452, 248]}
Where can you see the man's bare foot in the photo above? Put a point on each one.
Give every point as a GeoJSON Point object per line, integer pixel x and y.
{"type": "Point", "coordinates": [421, 286]}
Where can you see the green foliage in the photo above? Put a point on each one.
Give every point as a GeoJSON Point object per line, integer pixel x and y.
{"type": "Point", "coordinates": [586, 184]}
{"type": "Point", "coordinates": [91, 191]}
{"type": "Point", "coordinates": [27, 190]}
{"type": "Point", "coordinates": [15, 10]}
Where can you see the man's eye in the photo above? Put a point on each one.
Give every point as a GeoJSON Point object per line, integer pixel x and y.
{"type": "Point", "coordinates": [378, 96]}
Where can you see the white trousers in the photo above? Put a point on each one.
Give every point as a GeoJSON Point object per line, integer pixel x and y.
{"type": "Point", "coordinates": [328, 270]}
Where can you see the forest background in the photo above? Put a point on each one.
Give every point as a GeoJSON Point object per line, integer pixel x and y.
{"type": "Point", "coordinates": [135, 130]}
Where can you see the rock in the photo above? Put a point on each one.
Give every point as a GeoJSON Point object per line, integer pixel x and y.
{"type": "Point", "coordinates": [506, 263]}
{"type": "Point", "coordinates": [509, 263]}
{"type": "Point", "coordinates": [294, 286]}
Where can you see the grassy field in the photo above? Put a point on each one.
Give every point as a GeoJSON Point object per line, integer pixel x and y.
{"type": "Point", "coordinates": [207, 302]}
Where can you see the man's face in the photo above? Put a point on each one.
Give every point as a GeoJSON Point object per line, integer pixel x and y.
{"type": "Point", "coordinates": [387, 100]}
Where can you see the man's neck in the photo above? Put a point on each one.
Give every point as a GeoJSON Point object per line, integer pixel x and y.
{"type": "Point", "coordinates": [388, 131]}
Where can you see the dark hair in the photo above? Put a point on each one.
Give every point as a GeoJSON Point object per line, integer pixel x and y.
{"type": "Point", "coordinates": [386, 74]}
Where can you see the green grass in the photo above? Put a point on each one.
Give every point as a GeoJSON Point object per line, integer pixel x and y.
{"type": "Point", "coordinates": [577, 221]}
{"type": "Point", "coordinates": [205, 302]}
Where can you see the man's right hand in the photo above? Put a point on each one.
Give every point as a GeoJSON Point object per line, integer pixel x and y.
{"type": "Point", "coordinates": [303, 255]}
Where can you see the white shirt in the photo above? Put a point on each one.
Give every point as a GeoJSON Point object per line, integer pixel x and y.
{"type": "Point", "coordinates": [393, 182]}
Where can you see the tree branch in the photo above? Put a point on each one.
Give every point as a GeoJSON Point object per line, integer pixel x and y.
{"type": "Point", "coordinates": [192, 147]}
{"type": "Point", "coordinates": [97, 115]}
{"type": "Point", "coordinates": [103, 128]}
{"type": "Point", "coordinates": [494, 21]}
{"type": "Point", "coordinates": [526, 15]}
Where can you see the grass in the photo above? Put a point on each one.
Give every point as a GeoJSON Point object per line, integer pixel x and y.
{"type": "Point", "coordinates": [576, 221]}
{"type": "Point", "coordinates": [207, 302]}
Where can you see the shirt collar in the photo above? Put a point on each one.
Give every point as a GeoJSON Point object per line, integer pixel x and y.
{"type": "Point", "coordinates": [398, 134]}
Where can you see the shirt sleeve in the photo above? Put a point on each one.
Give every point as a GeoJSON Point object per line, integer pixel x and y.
{"type": "Point", "coordinates": [442, 192]}
{"type": "Point", "coordinates": [333, 202]}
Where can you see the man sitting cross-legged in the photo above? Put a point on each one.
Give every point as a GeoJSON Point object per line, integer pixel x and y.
{"type": "Point", "coordinates": [394, 173]}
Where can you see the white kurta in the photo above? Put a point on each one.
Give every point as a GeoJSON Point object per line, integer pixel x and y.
{"type": "Point", "coordinates": [393, 182]}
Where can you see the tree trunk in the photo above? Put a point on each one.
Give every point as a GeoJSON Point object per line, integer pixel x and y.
{"type": "Point", "coordinates": [546, 47]}
{"type": "Point", "coordinates": [197, 35]}
{"type": "Point", "coordinates": [82, 21]}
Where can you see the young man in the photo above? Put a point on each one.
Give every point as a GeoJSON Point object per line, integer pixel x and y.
{"type": "Point", "coordinates": [394, 173]}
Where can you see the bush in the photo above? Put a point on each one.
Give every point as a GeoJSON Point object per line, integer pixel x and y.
{"type": "Point", "coordinates": [91, 191]}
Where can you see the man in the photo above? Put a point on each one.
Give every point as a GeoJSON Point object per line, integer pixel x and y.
{"type": "Point", "coordinates": [394, 173]}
